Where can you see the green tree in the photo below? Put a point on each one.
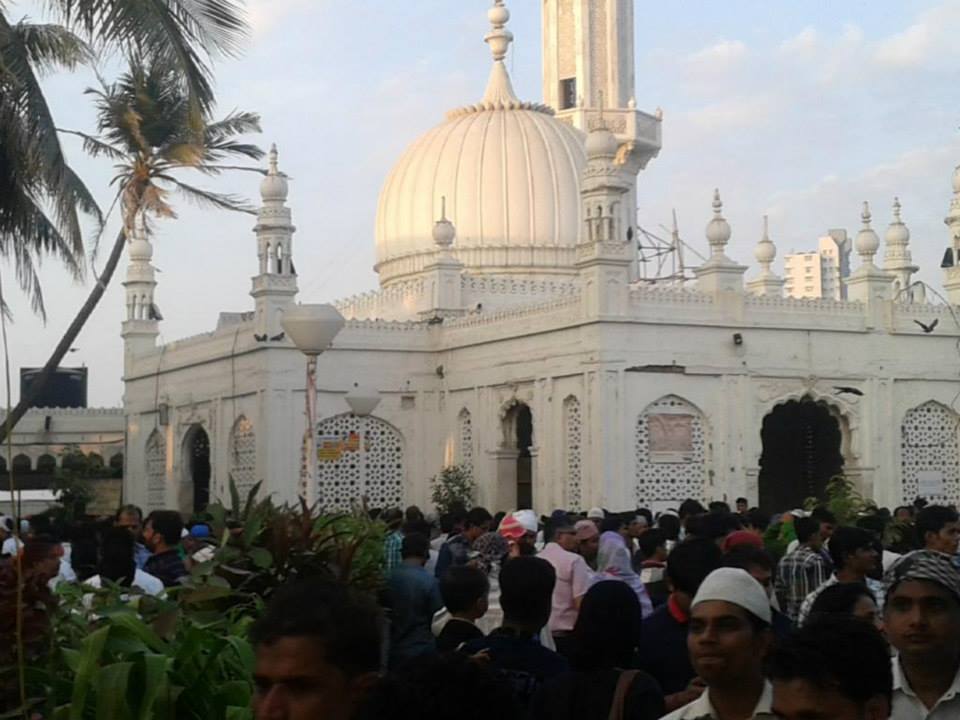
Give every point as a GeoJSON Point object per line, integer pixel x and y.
{"type": "Point", "coordinates": [453, 487]}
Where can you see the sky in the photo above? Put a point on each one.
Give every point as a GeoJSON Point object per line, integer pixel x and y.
{"type": "Point", "coordinates": [799, 111]}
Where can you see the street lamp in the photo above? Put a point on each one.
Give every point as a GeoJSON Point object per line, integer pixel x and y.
{"type": "Point", "coordinates": [312, 329]}
{"type": "Point", "coordinates": [363, 400]}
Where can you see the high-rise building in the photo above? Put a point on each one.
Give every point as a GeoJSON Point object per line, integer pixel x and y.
{"type": "Point", "coordinates": [819, 273]}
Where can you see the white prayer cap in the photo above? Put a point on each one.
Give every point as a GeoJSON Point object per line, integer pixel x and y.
{"type": "Point", "coordinates": [738, 587]}
{"type": "Point", "coordinates": [595, 513]}
{"type": "Point", "coordinates": [528, 519]}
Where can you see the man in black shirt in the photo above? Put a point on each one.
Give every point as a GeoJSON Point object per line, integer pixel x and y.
{"type": "Point", "coordinates": [465, 590]}
{"type": "Point", "coordinates": [516, 655]}
{"type": "Point", "coordinates": [664, 652]}
{"type": "Point", "coordinates": [161, 533]}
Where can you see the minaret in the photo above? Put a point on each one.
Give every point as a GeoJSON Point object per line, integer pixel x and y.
{"type": "Point", "coordinates": [604, 255]}
{"type": "Point", "coordinates": [869, 283]}
{"type": "Point", "coordinates": [276, 284]}
{"type": "Point", "coordinates": [897, 259]}
{"type": "Point", "coordinates": [768, 283]}
{"type": "Point", "coordinates": [589, 79]}
{"type": "Point", "coordinates": [951, 259]}
{"type": "Point", "coordinates": [140, 326]}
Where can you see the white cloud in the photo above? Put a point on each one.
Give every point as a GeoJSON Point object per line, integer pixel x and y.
{"type": "Point", "coordinates": [930, 41]}
{"type": "Point", "coordinates": [724, 52]}
{"type": "Point", "coordinates": [736, 113]}
{"type": "Point", "coordinates": [803, 43]}
{"type": "Point", "coordinates": [264, 15]}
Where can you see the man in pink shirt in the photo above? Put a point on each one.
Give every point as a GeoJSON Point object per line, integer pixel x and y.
{"type": "Point", "coordinates": [573, 581]}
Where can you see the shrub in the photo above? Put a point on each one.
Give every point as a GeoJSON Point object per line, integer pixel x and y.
{"type": "Point", "coordinates": [453, 487]}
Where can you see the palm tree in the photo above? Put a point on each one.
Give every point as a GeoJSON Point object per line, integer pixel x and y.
{"type": "Point", "coordinates": [145, 125]}
{"type": "Point", "coordinates": [41, 197]}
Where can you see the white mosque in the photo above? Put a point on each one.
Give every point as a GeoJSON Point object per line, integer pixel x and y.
{"type": "Point", "coordinates": [511, 334]}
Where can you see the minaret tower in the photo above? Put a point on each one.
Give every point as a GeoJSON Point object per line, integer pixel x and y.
{"type": "Point", "coordinates": [589, 79]}
{"type": "Point", "coordinates": [276, 284]}
{"type": "Point", "coordinates": [604, 253]}
{"type": "Point", "coordinates": [951, 259]}
{"type": "Point", "coordinates": [141, 324]}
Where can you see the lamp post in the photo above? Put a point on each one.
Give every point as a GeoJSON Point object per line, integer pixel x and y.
{"type": "Point", "coordinates": [312, 329]}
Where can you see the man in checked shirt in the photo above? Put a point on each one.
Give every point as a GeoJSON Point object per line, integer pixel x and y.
{"type": "Point", "coordinates": [802, 571]}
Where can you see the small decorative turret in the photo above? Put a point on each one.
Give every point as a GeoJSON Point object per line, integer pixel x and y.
{"type": "Point", "coordinates": [868, 283]}
{"type": "Point", "coordinates": [718, 229]}
{"type": "Point", "coordinates": [444, 232]}
{"type": "Point", "coordinates": [719, 273]}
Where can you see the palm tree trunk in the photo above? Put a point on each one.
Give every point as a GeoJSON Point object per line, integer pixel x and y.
{"type": "Point", "coordinates": [69, 337]}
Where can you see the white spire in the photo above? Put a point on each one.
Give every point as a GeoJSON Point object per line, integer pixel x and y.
{"type": "Point", "coordinates": [499, 88]}
{"type": "Point", "coordinates": [867, 242]}
{"type": "Point", "coordinates": [766, 251]}
{"type": "Point", "coordinates": [274, 187]}
{"type": "Point", "coordinates": [718, 229]}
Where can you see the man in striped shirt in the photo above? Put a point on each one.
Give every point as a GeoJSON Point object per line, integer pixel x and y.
{"type": "Point", "coordinates": [802, 571]}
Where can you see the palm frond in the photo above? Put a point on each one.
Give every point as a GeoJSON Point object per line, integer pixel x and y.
{"type": "Point", "coordinates": [181, 34]}
{"type": "Point", "coordinates": [206, 198]}
{"type": "Point", "coordinates": [36, 153]}
{"type": "Point", "coordinates": [94, 147]}
{"type": "Point", "coordinates": [50, 47]}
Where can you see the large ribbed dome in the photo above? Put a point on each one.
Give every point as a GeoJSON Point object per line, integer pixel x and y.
{"type": "Point", "coordinates": [510, 173]}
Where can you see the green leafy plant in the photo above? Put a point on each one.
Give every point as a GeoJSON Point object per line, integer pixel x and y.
{"type": "Point", "coordinates": [842, 499]}
{"type": "Point", "coordinates": [453, 487]}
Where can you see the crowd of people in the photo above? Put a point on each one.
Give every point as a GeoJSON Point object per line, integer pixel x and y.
{"type": "Point", "coordinates": [702, 612]}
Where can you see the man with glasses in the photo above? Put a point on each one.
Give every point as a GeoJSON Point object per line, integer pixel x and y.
{"type": "Point", "coordinates": [573, 581]}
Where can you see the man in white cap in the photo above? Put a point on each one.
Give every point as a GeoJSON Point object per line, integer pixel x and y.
{"type": "Point", "coordinates": [527, 544]}
{"type": "Point", "coordinates": [728, 639]}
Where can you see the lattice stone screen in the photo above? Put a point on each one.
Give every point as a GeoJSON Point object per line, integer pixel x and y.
{"type": "Point", "coordinates": [929, 454]}
{"type": "Point", "coordinates": [156, 457]}
{"type": "Point", "coordinates": [573, 433]}
{"type": "Point", "coordinates": [243, 455]}
{"type": "Point", "coordinates": [465, 459]}
{"type": "Point", "coordinates": [671, 462]}
{"type": "Point", "coordinates": [359, 456]}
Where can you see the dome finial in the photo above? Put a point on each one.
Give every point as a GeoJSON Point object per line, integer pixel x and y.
{"type": "Point", "coordinates": [499, 38]}
{"type": "Point", "coordinates": [499, 91]}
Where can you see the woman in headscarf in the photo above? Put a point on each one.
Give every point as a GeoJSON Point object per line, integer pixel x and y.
{"type": "Point", "coordinates": [614, 561]}
{"type": "Point", "coordinates": [603, 685]}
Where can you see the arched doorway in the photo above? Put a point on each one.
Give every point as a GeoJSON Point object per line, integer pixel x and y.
{"type": "Point", "coordinates": [196, 465]}
{"type": "Point", "coordinates": [802, 450]}
{"type": "Point", "coordinates": [516, 459]}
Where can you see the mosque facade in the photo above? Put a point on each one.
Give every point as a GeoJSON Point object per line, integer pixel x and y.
{"type": "Point", "coordinates": [513, 336]}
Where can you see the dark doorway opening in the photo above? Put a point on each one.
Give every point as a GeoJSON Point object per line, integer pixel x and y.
{"type": "Point", "coordinates": [524, 429]}
{"type": "Point", "coordinates": [802, 450]}
{"type": "Point", "coordinates": [198, 457]}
